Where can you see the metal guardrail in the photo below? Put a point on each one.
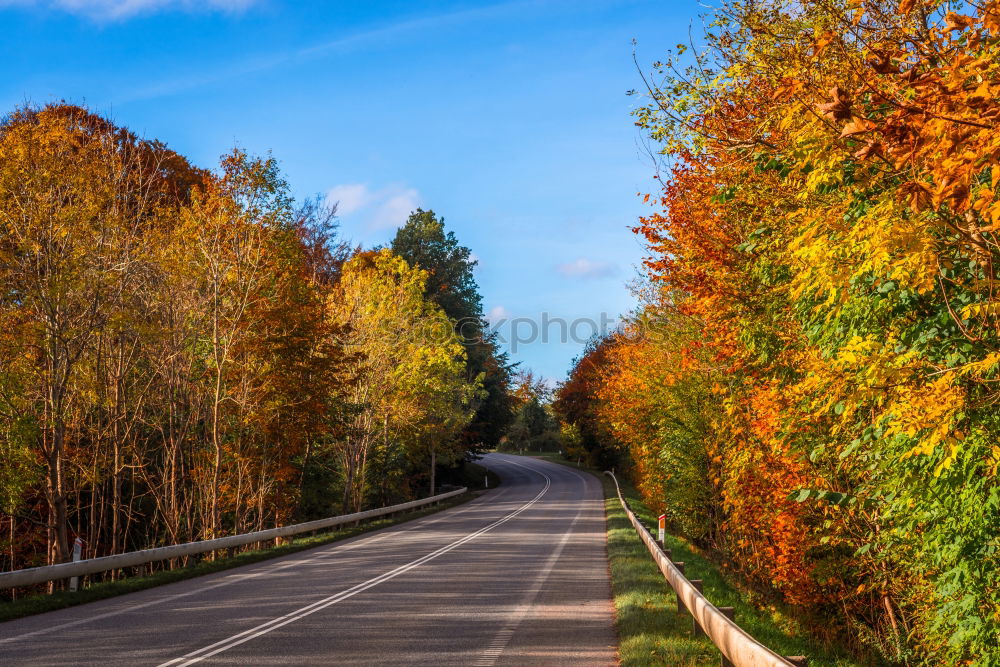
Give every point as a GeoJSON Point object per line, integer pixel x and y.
{"type": "Point", "coordinates": [37, 575]}
{"type": "Point", "coordinates": [738, 648]}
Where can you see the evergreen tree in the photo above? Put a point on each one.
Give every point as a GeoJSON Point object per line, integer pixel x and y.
{"type": "Point", "coordinates": [423, 242]}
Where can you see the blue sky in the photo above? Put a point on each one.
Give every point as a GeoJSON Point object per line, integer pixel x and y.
{"type": "Point", "coordinates": [510, 119]}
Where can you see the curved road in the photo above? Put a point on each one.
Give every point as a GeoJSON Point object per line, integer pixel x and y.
{"type": "Point", "coordinates": [516, 577]}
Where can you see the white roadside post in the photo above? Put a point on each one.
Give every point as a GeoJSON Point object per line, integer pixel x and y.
{"type": "Point", "coordinates": [663, 529]}
{"type": "Point", "coordinates": [74, 582]}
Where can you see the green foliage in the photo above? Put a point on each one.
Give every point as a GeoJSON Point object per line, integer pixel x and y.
{"type": "Point", "coordinates": [652, 632]}
{"type": "Point", "coordinates": [185, 353]}
{"type": "Point", "coordinates": [20, 469]}
{"type": "Point", "coordinates": [422, 242]}
{"type": "Point", "coordinates": [451, 284]}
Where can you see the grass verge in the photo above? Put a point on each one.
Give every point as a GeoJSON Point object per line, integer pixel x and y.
{"type": "Point", "coordinates": [650, 629]}
{"type": "Point", "coordinates": [37, 604]}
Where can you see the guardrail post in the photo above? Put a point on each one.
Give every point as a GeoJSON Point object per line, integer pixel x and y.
{"type": "Point", "coordinates": [680, 603]}
{"type": "Point", "coordinates": [696, 630]}
{"type": "Point", "coordinates": [77, 550]}
{"type": "Point", "coordinates": [729, 613]}
{"type": "Point", "coordinates": [192, 552]}
{"type": "Point", "coordinates": [738, 643]}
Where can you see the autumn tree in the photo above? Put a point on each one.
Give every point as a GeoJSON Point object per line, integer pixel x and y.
{"type": "Point", "coordinates": [76, 196]}
{"type": "Point", "coordinates": [149, 309]}
{"type": "Point", "coordinates": [829, 258]}
{"type": "Point", "coordinates": [186, 354]}
{"type": "Point", "coordinates": [576, 404]}
{"type": "Point", "coordinates": [407, 370]}
{"type": "Point", "coordinates": [451, 284]}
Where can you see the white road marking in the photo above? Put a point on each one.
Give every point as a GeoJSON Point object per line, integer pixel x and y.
{"type": "Point", "coordinates": [335, 549]}
{"type": "Point", "coordinates": [500, 641]}
{"type": "Point", "coordinates": [264, 628]}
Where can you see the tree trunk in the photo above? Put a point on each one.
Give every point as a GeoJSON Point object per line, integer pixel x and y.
{"type": "Point", "coordinates": [56, 497]}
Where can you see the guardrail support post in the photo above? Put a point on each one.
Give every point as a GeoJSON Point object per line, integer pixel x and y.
{"type": "Point", "coordinates": [680, 603]}
{"type": "Point", "coordinates": [751, 651]}
{"type": "Point", "coordinates": [729, 613]}
{"type": "Point", "coordinates": [696, 630]}
{"type": "Point", "coordinates": [77, 550]}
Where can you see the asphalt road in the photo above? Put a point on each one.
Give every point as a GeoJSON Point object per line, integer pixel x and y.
{"type": "Point", "coordinates": [516, 577]}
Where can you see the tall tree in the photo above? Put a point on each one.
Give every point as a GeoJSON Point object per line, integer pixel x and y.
{"type": "Point", "coordinates": [825, 266]}
{"type": "Point", "coordinates": [184, 354]}
{"type": "Point", "coordinates": [451, 284]}
{"type": "Point", "coordinates": [407, 368]}
{"type": "Point", "coordinates": [76, 196]}
{"type": "Point", "coordinates": [576, 403]}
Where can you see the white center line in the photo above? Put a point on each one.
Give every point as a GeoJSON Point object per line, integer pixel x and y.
{"type": "Point", "coordinates": [335, 549]}
{"type": "Point", "coordinates": [291, 617]}
{"type": "Point", "coordinates": [499, 643]}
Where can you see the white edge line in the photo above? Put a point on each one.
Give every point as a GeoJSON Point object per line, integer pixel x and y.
{"type": "Point", "coordinates": [336, 548]}
{"type": "Point", "coordinates": [245, 636]}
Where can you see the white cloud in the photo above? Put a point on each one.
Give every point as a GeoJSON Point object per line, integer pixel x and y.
{"type": "Point", "coordinates": [498, 313]}
{"type": "Point", "coordinates": [587, 268]}
{"type": "Point", "coordinates": [349, 197]}
{"type": "Point", "coordinates": [395, 208]}
{"type": "Point", "coordinates": [383, 208]}
{"type": "Point", "coordinates": [111, 10]}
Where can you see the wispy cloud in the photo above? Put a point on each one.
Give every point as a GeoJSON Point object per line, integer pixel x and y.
{"type": "Point", "coordinates": [382, 208]}
{"type": "Point", "coordinates": [345, 44]}
{"type": "Point", "coordinates": [115, 10]}
{"type": "Point", "coordinates": [395, 208]}
{"type": "Point", "coordinates": [587, 269]}
{"type": "Point", "coordinates": [498, 314]}
{"type": "Point", "coordinates": [349, 198]}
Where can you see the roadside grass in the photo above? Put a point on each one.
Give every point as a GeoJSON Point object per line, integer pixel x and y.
{"type": "Point", "coordinates": [43, 602]}
{"type": "Point", "coordinates": [650, 629]}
